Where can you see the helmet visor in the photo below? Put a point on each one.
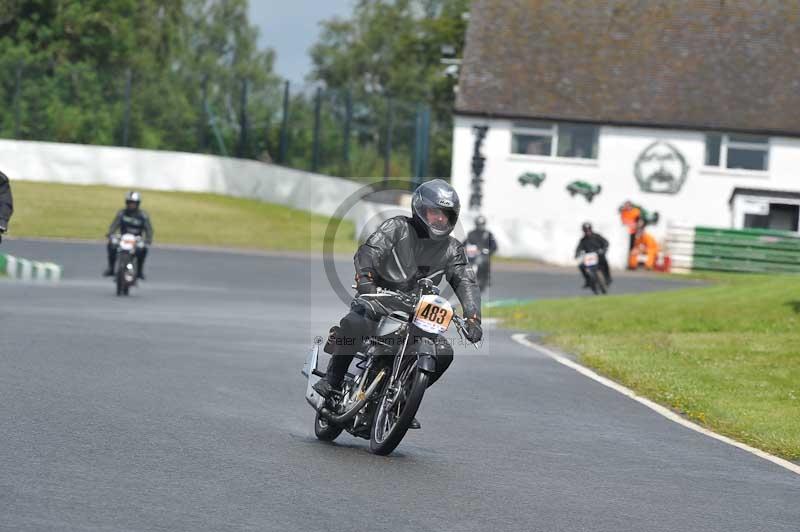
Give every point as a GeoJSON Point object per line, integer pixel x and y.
{"type": "Point", "coordinates": [440, 221]}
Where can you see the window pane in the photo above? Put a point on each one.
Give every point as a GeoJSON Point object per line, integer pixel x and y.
{"type": "Point", "coordinates": [747, 159]}
{"type": "Point", "coordinates": [533, 124]}
{"type": "Point", "coordinates": [756, 221]}
{"type": "Point", "coordinates": [577, 141]}
{"type": "Point", "coordinates": [713, 142]}
{"type": "Point", "coordinates": [531, 144]}
{"type": "Point", "coordinates": [752, 139]}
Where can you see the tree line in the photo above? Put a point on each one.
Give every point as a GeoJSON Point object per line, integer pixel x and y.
{"type": "Point", "coordinates": [188, 75]}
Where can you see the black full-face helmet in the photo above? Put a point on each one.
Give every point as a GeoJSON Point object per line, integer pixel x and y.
{"type": "Point", "coordinates": [480, 222]}
{"type": "Point", "coordinates": [586, 227]}
{"type": "Point", "coordinates": [132, 200]}
{"type": "Point", "coordinates": [435, 206]}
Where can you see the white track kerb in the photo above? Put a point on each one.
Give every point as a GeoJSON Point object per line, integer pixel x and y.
{"type": "Point", "coordinates": [666, 412]}
{"type": "Point", "coordinates": [29, 270]}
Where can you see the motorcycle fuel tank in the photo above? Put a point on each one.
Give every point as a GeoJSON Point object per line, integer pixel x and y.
{"type": "Point", "coordinates": [390, 325]}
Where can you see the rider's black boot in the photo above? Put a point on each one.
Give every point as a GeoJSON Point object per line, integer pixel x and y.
{"type": "Point", "coordinates": [324, 388]}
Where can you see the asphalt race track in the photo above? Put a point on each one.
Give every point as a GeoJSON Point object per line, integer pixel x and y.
{"type": "Point", "coordinates": [181, 408]}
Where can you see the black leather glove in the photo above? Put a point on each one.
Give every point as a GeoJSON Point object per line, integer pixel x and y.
{"type": "Point", "coordinates": [474, 333]}
{"type": "Point", "coordinates": [365, 282]}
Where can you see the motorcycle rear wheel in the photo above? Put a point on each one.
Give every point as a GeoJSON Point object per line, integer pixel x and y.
{"type": "Point", "coordinates": [392, 421]}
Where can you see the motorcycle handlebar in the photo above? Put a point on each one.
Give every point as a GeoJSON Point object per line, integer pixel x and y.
{"type": "Point", "coordinates": [461, 322]}
{"type": "Point", "coordinates": [388, 292]}
{"type": "Point", "coordinates": [116, 238]}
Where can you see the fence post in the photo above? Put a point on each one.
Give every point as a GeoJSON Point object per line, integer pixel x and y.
{"type": "Point", "coordinates": [203, 126]}
{"type": "Point", "coordinates": [415, 160]}
{"type": "Point", "coordinates": [126, 119]}
{"type": "Point", "coordinates": [412, 154]}
{"type": "Point", "coordinates": [387, 148]}
{"type": "Point", "coordinates": [315, 147]}
{"type": "Point", "coordinates": [421, 143]}
{"type": "Point", "coordinates": [348, 118]}
{"type": "Point", "coordinates": [284, 140]}
{"type": "Point", "coordinates": [425, 141]}
{"type": "Point", "coordinates": [241, 149]}
{"type": "Point", "coordinates": [212, 120]}
{"type": "Point", "coordinates": [17, 98]}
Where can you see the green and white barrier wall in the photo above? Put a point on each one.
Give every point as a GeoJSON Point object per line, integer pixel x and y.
{"type": "Point", "coordinates": [745, 250]}
{"type": "Point", "coordinates": [29, 270]}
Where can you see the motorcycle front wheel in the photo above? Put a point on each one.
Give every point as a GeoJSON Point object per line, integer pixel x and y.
{"type": "Point", "coordinates": [593, 284]}
{"type": "Point", "coordinates": [324, 430]}
{"type": "Point", "coordinates": [483, 282]}
{"type": "Point", "coordinates": [120, 281]}
{"type": "Point", "coordinates": [600, 281]}
{"type": "Point", "coordinates": [396, 411]}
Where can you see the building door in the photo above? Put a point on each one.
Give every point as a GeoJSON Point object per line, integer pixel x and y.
{"type": "Point", "coordinates": [783, 217]}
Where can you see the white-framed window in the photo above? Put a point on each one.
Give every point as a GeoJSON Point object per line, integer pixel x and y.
{"type": "Point", "coordinates": [548, 139]}
{"type": "Point", "coordinates": [737, 151]}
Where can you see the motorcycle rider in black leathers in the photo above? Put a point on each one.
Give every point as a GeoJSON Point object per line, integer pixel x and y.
{"type": "Point", "coordinates": [6, 204]}
{"type": "Point", "coordinates": [135, 221]}
{"type": "Point", "coordinates": [402, 251]}
{"type": "Point", "coordinates": [484, 239]}
{"type": "Point", "coordinates": [593, 243]}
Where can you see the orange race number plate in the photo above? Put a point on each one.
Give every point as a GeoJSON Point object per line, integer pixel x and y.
{"type": "Point", "coordinates": [433, 314]}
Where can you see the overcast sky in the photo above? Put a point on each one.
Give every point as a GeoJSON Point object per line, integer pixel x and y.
{"type": "Point", "coordinates": [290, 27]}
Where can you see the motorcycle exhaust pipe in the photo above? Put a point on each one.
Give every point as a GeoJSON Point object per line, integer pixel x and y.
{"type": "Point", "coordinates": [350, 414]}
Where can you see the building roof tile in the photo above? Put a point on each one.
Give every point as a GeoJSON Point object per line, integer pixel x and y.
{"type": "Point", "coordinates": [699, 64]}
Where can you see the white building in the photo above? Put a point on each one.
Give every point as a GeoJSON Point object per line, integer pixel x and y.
{"type": "Point", "coordinates": [690, 109]}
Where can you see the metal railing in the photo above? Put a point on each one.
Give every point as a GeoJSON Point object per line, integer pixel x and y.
{"type": "Point", "coordinates": [745, 250]}
{"type": "Point", "coordinates": [334, 132]}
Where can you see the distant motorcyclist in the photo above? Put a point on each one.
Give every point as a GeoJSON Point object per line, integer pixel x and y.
{"type": "Point", "coordinates": [592, 242]}
{"type": "Point", "coordinates": [6, 204]}
{"type": "Point", "coordinates": [399, 253]}
{"type": "Point", "coordinates": [130, 220]}
{"type": "Point", "coordinates": [484, 240]}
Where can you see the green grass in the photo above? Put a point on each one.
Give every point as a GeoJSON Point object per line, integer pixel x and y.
{"type": "Point", "coordinates": [71, 211]}
{"type": "Point", "coordinates": [725, 355]}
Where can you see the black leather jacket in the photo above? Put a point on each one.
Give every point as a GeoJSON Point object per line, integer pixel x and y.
{"type": "Point", "coordinates": [399, 253]}
{"type": "Point", "coordinates": [134, 222]}
{"type": "Point", "coordinates": [591, 244]}
{"type": "Point", "coordinates": [483, 239]}
{"type": "Point", "coordinates": [6, 201]}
